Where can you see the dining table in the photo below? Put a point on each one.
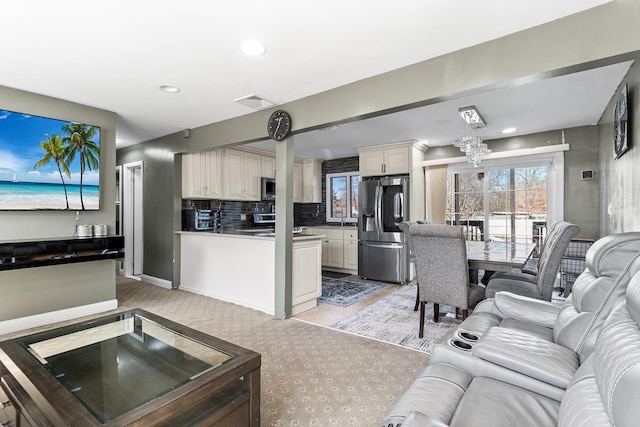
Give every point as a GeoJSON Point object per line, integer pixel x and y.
{"type": "Point", "coordinates": [498, 256]}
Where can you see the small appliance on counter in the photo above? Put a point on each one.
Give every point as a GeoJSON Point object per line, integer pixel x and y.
{"type": "Point", "coordinates": [200, 220]}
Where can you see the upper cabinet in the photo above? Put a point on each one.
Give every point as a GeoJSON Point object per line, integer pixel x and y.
{"type": "Point", "coordinates": [201, 175]}
{"type": "Point", "coordinates": [298, 185]}
{"type": "Point", "coordinates": [386, 160]}
{"type": "Point", "coordinates": [235, 174]}
{"type": "Point", "coordinates": [312, 181]}
{"type": "Point", "coordinates": [268, 166]}
{"type": "Point", "coordinates": [241, 176]}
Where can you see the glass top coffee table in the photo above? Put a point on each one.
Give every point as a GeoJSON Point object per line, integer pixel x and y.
{"type": "Point", "coordinates": [130, 368]}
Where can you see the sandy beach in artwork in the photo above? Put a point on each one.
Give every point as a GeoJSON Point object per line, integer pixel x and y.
{"type": "Point", "coordinates": [41, 196]}
{"type": "Point", "coordinates": [30, 207]}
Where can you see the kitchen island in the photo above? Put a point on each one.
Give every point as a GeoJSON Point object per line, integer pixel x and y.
{"type": "Point", "coordinates": [240, 268]}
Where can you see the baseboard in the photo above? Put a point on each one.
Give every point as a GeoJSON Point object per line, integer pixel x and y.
{"type": "Point", "coordinates": [162, 283]}
{"type": "Point", "coordinates": [42, 319]}
{"type": "Point", "coordinates": [340, 270]}
{"type": "Point", "coordinates": [268, 310]}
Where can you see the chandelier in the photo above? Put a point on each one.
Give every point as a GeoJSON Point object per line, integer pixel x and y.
{"type": "Point", "coordinates": [471, 143]}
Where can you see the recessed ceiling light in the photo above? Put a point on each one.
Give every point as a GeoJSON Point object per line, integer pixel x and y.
{"type": "Point", "coordinates": [253, 48]}
{"type": "Point", "coordinates": [509, 130]}
{"type": "Point", "coordinates": [170, 89]}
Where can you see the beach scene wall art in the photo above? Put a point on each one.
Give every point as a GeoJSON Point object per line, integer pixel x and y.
{"type": "Point", "coordinates": [48, 164]}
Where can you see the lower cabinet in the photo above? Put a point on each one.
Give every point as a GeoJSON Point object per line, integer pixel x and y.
{"type": "Point", "coordinates": [339, 247]}
{"type": "Point", "coordinates": [351, 249]}
{"type": "Point", "coordinates": [307, 275]}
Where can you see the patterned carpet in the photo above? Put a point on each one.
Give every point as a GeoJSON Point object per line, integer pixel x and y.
{"type": "Point", "coordinates": [344, 292]}
{"type": "Point", "coordinates": [310, 376]}
{"type": "Point", "coordinates": [392, 319]}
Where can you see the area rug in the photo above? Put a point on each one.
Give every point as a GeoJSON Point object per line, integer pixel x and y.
{"type": "Point", "coordinates": [344, 292]}
{"type": "Point", "coordinates": [392, 319]}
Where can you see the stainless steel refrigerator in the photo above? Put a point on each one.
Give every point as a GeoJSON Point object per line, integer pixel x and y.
{"type": "Point", "coordinates": [382, 251]}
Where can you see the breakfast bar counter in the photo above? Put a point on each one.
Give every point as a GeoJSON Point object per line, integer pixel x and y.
{"type": "Point", "coordinates": [240, 268]}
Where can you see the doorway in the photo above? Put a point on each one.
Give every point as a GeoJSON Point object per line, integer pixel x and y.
{"type": "Point", "coordinates": [132, 209]}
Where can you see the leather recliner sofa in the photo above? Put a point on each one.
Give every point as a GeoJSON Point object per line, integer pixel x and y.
{"type": "Point", "coordinates": [531, 344]}
{"type": "Point", "coordinates": [537, 344]}
{"type": "Point", "coordinates": [604, 391]}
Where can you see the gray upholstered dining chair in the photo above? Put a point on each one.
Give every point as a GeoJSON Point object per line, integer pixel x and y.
{"type": "Point", "coordinates": [412, 256]}
{"type": "Point", "coordinates": [441, 268]}
{"type": "Point", "coordinates": [540, 285]}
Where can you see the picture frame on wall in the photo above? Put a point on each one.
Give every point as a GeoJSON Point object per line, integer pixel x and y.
{"type": "Point", "coordinates": [621, 140]}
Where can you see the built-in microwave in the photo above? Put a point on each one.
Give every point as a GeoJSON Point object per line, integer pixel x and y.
{"type": "Point", "coordinates": [268, 188]}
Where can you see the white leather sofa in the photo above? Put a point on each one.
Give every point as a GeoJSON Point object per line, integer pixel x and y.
{"type": "Point", "coordinates": [604, 391]}
{"type": "Point", "coordinates": [532, 345]}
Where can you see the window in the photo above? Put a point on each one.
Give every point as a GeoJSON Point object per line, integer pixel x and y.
{"type": "Point", "coordinates": [505, 201]}
{"type": "Point", "coordinates": [342, 197]}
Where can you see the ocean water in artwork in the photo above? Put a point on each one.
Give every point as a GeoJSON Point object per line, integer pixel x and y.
{"type": "Point", "coordinates": [34, 195]}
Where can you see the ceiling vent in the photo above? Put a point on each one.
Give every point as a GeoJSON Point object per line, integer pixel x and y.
{"type": "Point", "coordinates": [254, 101]}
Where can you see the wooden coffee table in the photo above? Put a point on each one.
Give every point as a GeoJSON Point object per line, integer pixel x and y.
{"type": "Point", "coordinates": [128, 369]}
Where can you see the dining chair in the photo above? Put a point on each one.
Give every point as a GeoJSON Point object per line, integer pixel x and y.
{"type": "Point", "coordinates": [539, 285]}
{"type": "Point", "coordinates": [442, 269]}
{"type": "Point", "coordinates": [412, 256]}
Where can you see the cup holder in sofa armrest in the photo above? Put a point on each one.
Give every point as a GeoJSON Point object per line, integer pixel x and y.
{"type": "Point", "coordinates": [468, 336]}
{"type": "Point", "coordinates": [461, 345]}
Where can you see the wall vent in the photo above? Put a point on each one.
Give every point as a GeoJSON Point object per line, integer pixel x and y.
{"type": "Point", "coordinates": [254, 101]}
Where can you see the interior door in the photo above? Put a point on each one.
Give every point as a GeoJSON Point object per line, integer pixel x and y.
{"type": "Point", "coordinates": [133, 219]}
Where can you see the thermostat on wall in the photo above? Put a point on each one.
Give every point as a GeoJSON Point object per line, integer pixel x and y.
{"type": "Point", "coordinates": [588, 174]}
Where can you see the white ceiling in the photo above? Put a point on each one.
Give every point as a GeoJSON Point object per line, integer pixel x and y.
{"type": "Point", "coordinates": [115, 54]}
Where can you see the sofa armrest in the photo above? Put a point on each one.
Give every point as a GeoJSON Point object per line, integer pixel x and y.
{"type": "Point", "coordinates": [518, 307]}
{"type": "Point", "coordinates": [528, 355]}
{"type": "Point", "coordinates": [419, 419]}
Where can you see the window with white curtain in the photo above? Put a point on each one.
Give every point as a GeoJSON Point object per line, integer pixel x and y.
{"type": "Point", "coordinates": [507, 199]}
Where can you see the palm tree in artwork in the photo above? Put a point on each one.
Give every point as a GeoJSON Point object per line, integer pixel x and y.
{"type": "Point", "coordinates": [79, 142]}
{"type": "Point", "coordinates": [55, 150]}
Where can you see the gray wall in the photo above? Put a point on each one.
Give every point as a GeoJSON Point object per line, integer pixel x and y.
{"type": "Point", "coordinates": [44, 289]}
{"type": "Point", "coordinates": [574, 43]}
{"type": "Point", "coordinates": [619, 179]}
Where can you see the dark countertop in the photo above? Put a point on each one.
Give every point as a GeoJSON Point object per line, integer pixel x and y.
{"type": "Point", "coordinates": [37, 252]}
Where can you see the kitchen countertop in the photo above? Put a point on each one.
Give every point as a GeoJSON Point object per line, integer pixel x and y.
{"type": "Point", "coordinates": [240, 234]}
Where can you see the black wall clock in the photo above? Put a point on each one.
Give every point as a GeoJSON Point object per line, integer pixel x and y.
{"type": "Point", "coordinates": [279, 125]}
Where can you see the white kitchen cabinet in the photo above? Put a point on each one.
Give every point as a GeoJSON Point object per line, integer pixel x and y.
{"type": "Point", "coordinates": [385, 161]}
{"type": "Point", "coordinates": [312, 181]}
{"type": "Point", "coordinates": [339, 247]}
{"type": "Point", "coordinates": [268, 167]}
{"type": "Point", "coordinates": [306, 274]}
{"type": "Point", "coordinates": [297, 182]}
{"type": "Point", "coordinates": [371, 162]}
{"type": "Point", "coordinates": [201, 175]}
{"type": "Point", "coordinates": [350, 250]}
{"type": "Point", "coordinates": [241, 175]}
{"type": "Point", "coordinates": [211, 261]}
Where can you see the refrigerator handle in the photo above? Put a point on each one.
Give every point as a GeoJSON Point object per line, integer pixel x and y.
{"type": "Point", "coordinates": [379, 207]}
